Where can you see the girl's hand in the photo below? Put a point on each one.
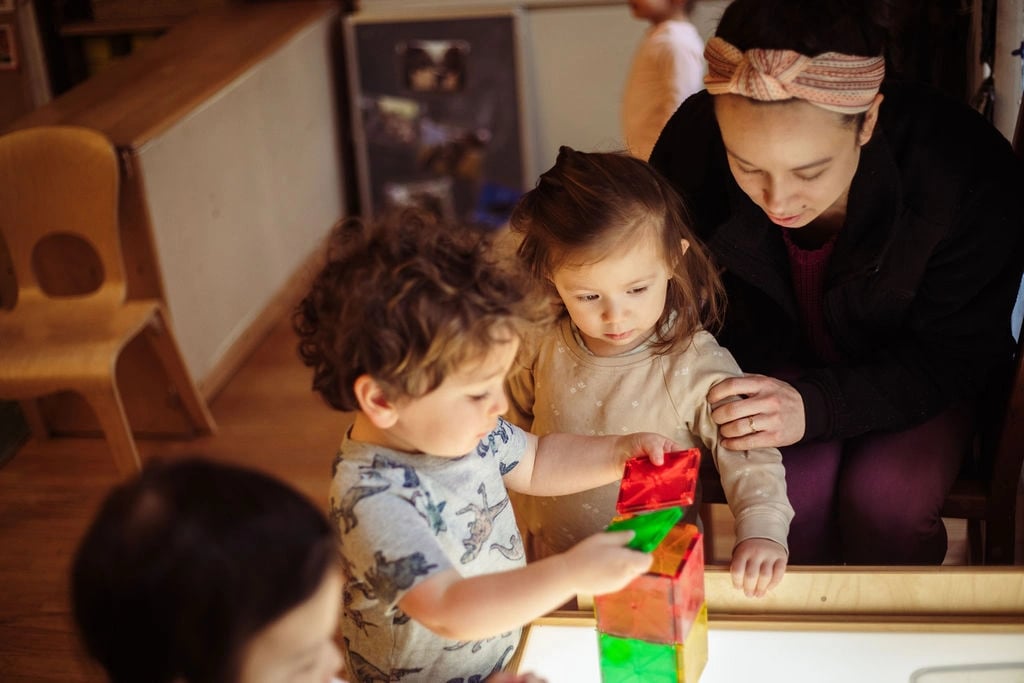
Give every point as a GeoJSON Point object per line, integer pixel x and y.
{"type": "Point", "coordinates": [654, 446]}
{"type": "Point", "coordinates": [757, 566]}
{"type": "Point", "coordinates": [603, 564]}
{"type": "Point", "coordinates": [759, 412]}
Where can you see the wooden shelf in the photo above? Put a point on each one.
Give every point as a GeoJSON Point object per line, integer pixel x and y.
{"type": "Point", "coordinates": [107, 28]}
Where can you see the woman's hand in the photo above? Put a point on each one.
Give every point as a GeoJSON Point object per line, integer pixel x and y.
{"type": "Point", "coordinates": [756, 411]}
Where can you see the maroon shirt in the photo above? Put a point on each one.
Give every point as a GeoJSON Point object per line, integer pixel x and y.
{"type": "Point", "coordinates": [807, 270]}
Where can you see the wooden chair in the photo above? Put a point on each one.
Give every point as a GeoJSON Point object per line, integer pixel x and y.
{"type": "Point", "coordinates": [62, 182]}
{"type": "Point", "coordinates": [986, 492]}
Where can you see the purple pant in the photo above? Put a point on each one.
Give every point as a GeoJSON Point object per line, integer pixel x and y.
{"type": "Point", "coordinates": [875, 499]}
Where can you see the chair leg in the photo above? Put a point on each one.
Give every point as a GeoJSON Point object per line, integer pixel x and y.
{"type": "Point", "coordinates": [975, 547]}
{"type": "Point", "coordinates": [106, 403]}
{"type": "Point", "coordinates": [166, 346]}
{"type": "Point", "coordinates": [999, 541]}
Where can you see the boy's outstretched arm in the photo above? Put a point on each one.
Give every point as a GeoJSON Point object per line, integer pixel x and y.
{"type": "Point", "coordinates": [558, 464]}
{"type": "Point", "coordinates": [488, 605]}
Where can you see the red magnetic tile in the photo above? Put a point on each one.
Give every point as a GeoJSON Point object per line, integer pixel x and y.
{"type": "Point", "coordinates": [646, 486]}
{"type": "Point", "coordinates": [658, 608]}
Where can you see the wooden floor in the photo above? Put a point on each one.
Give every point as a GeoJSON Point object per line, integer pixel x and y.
{"type": "Point", "coordinates": [268, 418]}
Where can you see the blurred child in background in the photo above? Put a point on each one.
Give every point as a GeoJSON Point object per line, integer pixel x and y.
{"type": "Point", "coordinates": [667, 67]}
{"type": "Point", "coordinates": [200, 572]}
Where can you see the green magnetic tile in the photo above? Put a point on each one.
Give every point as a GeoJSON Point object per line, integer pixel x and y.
{"type": "Point", "coordinates": [651, 527]}
{"type": "Point", "coordinates": [627, 660]}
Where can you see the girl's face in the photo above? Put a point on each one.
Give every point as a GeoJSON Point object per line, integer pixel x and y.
{"type": "Point", "coordinates": [299, 647]}
{"type": "Point", "coordinates": [617, 301]}
{"type": "Point", "coordinates": [794, 160]}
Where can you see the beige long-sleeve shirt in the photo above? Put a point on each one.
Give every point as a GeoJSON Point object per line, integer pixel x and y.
{"type": "Point", "coordinates": [567, 389]}
{"type": "Point", "coordinates": [668, 66]}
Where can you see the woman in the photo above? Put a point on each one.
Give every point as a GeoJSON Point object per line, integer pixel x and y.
{"type": "Point", "coordinates": [870, 236]}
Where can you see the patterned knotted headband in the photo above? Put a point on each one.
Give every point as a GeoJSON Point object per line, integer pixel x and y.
{"type": "Point", "coordinates": [842, 83]}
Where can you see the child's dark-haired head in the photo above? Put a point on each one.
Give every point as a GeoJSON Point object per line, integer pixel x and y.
{"type": "Point", "coordinates": [592, 204]}
{"type": "Point", "coordinates": [408, 301]}
{"type": "Point", "coordinates": [185, 564]}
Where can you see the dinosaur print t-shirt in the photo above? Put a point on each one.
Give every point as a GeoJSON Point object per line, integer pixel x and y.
{"type": "Point", "coordinates": [402, 518]}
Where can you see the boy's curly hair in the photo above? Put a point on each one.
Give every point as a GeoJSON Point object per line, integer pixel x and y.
{"type": "Point", "coordinates": [409, 300]}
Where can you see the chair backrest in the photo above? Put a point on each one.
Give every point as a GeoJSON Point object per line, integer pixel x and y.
{"type": "Point", "coordinates": [1008, 466]}
{"type": "Point", "coordinates": [1011, 435]}
{"type": "Point", "coordinates": [60, 181]}
{"type": "Point", "coordinates": [1001, 444]}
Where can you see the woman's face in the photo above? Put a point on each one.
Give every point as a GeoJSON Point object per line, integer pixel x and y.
{"type": "Point", "coordinates": [299, 647]}
{"type": "Point", "coordinates": [794, 160]}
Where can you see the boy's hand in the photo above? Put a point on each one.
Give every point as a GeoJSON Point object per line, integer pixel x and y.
{"type": "Point", "coordinates": [507, 677]}
{"type": "Point", "coordinates": [757, 566]}
{"type": "Point", "coordinates": [602, 564]}
{"type": "Point", "coordinates": [654, 446]}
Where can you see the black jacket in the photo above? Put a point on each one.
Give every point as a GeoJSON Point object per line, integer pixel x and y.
{"type": "Point", "coordinates": [922, 281]}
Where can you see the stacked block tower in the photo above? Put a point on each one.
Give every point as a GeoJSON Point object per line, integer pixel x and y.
{"type": "Point", "coordinates": [656, 629]}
